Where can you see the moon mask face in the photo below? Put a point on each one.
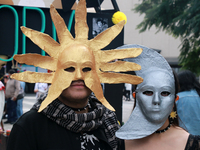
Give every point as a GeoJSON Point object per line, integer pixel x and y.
{"type": "Point", "coordinates": [156, 96]}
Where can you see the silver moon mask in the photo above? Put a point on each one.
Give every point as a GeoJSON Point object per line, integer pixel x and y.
{"type": "Point", "coordinates": [154, 96]}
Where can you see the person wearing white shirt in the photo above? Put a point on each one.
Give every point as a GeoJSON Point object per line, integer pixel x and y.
{"type": "Point", "coordinates": [40, 89]}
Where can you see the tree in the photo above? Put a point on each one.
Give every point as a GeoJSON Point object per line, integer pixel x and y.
{"type": "Point", "coordinates": [179, 18]}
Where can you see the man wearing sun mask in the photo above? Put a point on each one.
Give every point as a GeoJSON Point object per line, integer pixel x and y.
{"type": "Point", "coordinates": [69, 118]}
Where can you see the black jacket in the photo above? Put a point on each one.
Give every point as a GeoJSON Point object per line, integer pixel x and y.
{"type": "Point", "coordinates": [34, 131]}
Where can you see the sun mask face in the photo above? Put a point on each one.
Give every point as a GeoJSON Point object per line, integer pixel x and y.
{"type": "Point", "coordinates": [156, 95]}
{"type": "Point", "coordinates": [77, 61]}
{"type": "Point", "coordinates": [77, 58]}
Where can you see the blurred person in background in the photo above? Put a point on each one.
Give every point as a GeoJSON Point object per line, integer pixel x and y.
{"type": "Point", "coordinates": [188, 105]}
{"type": "Point", "coordinates": [128, 91]}
{"type": "Point", "coordinates": [12, 91]}
{"type": "Point", "coordinates": [40, 89]}
{"type": "Point", "coordinates": [5, 79]}
{"type": "Point", "coordinates": [2, 102]}
{"type": "Point", "coordinates": [20, 101]}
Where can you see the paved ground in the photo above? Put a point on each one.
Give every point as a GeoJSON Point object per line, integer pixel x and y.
{"type": "Point", "coordinates": [29, 100]}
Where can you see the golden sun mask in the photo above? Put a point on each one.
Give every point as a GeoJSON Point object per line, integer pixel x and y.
{"type": "Point", "coordinates": [81, 55]}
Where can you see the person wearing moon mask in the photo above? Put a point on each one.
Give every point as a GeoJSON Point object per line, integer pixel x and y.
{"type": "Point", "coordinates": [69, 117]}
{"type": "Point", "coordinates": [154, 124]}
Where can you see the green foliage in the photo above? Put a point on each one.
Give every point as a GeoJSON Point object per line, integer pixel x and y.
{"type": "Point", "coordinates": [189, 57]}
{"type": "Point", "coordinates": [180, 18]}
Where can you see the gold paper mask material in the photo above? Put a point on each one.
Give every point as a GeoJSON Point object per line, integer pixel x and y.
{"type": "Point", "coordinates": [79, 53]}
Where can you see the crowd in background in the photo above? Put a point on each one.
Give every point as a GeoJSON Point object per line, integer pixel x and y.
{"type": "Point", "coordinates": [13, 95]}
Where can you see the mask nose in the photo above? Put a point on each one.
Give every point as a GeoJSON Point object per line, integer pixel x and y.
{"type": "Point", "coordinates": [156, 99]}
{"type": "Point", "coordinates": [78, 74]}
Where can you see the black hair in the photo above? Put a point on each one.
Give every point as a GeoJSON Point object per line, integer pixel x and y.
{"type": "Point", "coordinates": [11, 71]}
{"type": "Point", "coordinates": [188, 81]}
{"type": "Point", "coordinates": [100, 20]}
{"type": "Point", "coordinates": [176, 120]}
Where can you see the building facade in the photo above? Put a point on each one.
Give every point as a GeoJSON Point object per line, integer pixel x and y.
{"type": "Point", "coordinates": [165, 43]}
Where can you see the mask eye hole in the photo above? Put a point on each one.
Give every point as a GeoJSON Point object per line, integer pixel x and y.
{"type": "Point", "coordinates": [86, 69]}
{"type": "Point", "coordinates": [165, 93]}
{"type": "Point", "coordinates": [148, 93]}
{"type": "Point", "coordinates": [70, 69]}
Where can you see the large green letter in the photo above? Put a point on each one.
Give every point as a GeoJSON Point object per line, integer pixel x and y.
{"type": "Point", "coordinates": [16, 30]}
{"type": "Point", "coordinates": [24, 24]}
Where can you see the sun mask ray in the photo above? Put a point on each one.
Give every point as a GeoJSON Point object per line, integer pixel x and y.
{"type": "Point", "coordinates": [81, 27]}
{"type": "Point", "coordinates": [111, 55]}
{"type": "Point", "coordinates": [59, 84]}
{"type": "Point", "coordinates": [33, 77]}
{"type": "Point", "coordinates": [37, 60]}
{"type": "Point", "coordinates": [97, 89]}
{"type": "Point", "coordinates": [61, 28]}
{"type": "Point", "coordinates": [119, 78]}
{"type": "Point", "coordinates": [120, 66]}
{"type": "Point", "coordinates": [105, 37]}
{"type": "Point", "coordinates": [77, 53]}
{"type": "Point", "coordinates": [44, 41]}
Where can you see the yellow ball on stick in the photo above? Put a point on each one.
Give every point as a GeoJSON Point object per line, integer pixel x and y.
{"type": "Point", "coordinates": [118, 16]}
